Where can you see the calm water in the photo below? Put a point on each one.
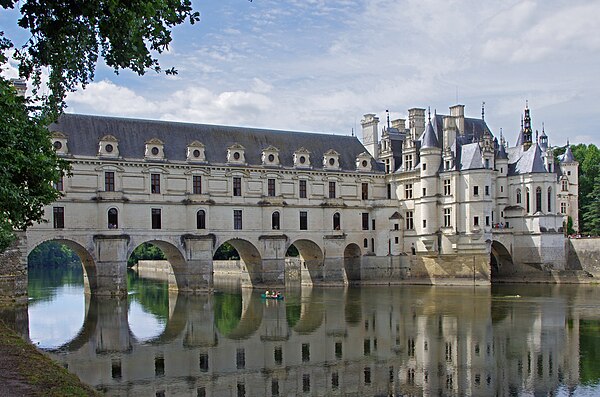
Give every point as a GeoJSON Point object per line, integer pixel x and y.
{"type": "Point", "coordinates": [372, 341]}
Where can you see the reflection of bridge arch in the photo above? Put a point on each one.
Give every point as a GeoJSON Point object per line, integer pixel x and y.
{"type": "Point", "coordinates": [178, 279]}
{"type": "Point", "coordinates": [250, 312]}
{"type": "Point", "coordinates": [501, 262]}
{"type": "Point", "coordinates": [311, 312]}
{"type": "Point", "coordinates": [250, 258]}
{"type": "Point", "coordinates": [352, 262]}
{"type": "Point", "coordinates": [90, 276]}
{"type": "Point", "coordinates": [312, 258]}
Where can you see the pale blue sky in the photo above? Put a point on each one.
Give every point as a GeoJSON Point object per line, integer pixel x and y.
{"type": "Point", "coordinates": [317, 65]}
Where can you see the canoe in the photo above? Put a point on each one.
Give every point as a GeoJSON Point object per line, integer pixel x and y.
{"type": "Point", "coordinates": [275, 297]}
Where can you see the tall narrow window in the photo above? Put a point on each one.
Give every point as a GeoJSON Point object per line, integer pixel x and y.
{"type": "Point", "coordinates": [59, 185]}
{"type": "Point", "coordinates": [389, 191]}
{"type": "Point", "coordinates": [58, 217]}
{"type": "Point", "coordinates": [563, 208]}
{"type": "Point", "coordinates": [519, 198]}
{"type": "Point", "coordinates": [197, 184]}
{"type": "Point", "coordinates": [528, 200]}
{"type": "Point", "coordinates": [278, 355]}
{"type": "Point", "coordinates": [549, 199]}
{"type": "Point", "coordinates": [113, 218]}
{"type": "Point", "coordinates": [271, 187]}
{"type": "Point", "coordinates": [156, 218]}
{"type": "Point", "coordinates": [237, 186]}
{"type": "Point", "coordinates": [409, 162]}
{"type": "Point", "coordinates": [538, 199]}
{"type": "Point", "coordinates": [302, 188]}
{"type": "Point", "coordinates": [410, 225]}
{"type": "Point", "coordinates": [365, 191]}
{"type": "Point", "coordinates": [446, 187]}
{"type": "Point", "coordinates": [331, 189]}
{"type": "Point", "coordinates": [109, 181]}
{"type": "Point", "coordinates": [447, 222]}
{"type": "Point", "coordinates": [240, 358]}
{"type": "Point", "coordinates": [237, 219]}
{"type": "Point", "coordinates": [487, 190]}
{"type": "Point", "coordinates": [336, 221]}
{"type": "Point", "coordinates": [275, 220]}
{"type": "Point", "coordinates": [155, 183]}
{"type": "Point", "coordinates": [303, 220]}
{"type": "Point", "coordinates": [365, 221]}
{"type": "Point", "coordinates": [476, 190]}
{"type": "Point", "coordinates": [564, 185]}
{"type": "Point", "coordinates": [305, 352]}
{"type": "Point", "coordinates": [408, 191]}
{"type": "Point", "coordinates": [475, 221]}
{"type": "Point", "coordinates": [201, 219]}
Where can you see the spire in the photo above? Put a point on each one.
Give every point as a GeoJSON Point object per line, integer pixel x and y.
{"type": "Point", "coordinates": [568, 156]}
{"type": "Point", "coordinates": [527, 132]}
{"type": "Point", "coordinates": [483, 110]}
{"type": "Point", "coordinates": [429, 113]}
{"type": "Point", "coordinates": [388, 118]}
{"type": "Point", "coordinates": [429, 139]}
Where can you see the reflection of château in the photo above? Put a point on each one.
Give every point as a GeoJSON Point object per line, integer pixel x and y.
{"type": "Point", "coordinates": [409, 341]}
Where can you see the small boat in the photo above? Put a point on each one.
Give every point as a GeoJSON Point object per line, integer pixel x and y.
{"type": "Point", "coordinates": [272, 296]}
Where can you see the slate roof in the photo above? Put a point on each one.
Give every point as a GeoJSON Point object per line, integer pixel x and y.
{"type": "Point", "coordinates": [471, 157]}
{"type": "Point", "coordinates": [530, 161]}
{"type": "Point", "coordinates": [84, 132]}
{"type": "Point", "coordinates": [567, 156]}
{"type": "Point", "coordinates": [428, 138]}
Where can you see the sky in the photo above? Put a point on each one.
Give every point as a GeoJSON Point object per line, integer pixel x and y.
{"type": "Point", "coordinates": [320, 65]}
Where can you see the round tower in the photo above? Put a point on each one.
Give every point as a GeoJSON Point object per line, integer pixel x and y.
{"type": "Point", "coordinates": [430, 161]}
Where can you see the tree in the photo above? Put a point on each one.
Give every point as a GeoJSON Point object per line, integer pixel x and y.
{"type": "Point", "coordinates": [66, 41]}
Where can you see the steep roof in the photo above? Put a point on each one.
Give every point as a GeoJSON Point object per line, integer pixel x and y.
{"type": "Point", "coordinates": [530, 161]}
{"type": "Point", "coordinates": [471, 156]}
{"type": "Point", "coordinates": [567, 156]}
{"type": "Point", "coordinates": [428, 138]}
{"type": "Point", "coordinates": [84, 132]}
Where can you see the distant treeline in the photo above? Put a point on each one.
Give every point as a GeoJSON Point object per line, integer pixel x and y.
{"type": "Point", "coordinates": [52, 254]}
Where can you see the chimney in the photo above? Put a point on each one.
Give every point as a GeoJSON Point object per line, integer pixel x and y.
{"type": "Point", "coordinates": [399, 124]}
{"type": "Point", "coordinates": [20, 85]}
{"type": "Point", "coordinates": [370, 124]}
{"type": "Point", "coordinates": [458, 112]}
{"type": "Point", "coordinates": [416, 121]}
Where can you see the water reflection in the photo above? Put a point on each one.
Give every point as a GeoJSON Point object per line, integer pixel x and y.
{"type": "Point", "coordinates": [523, 340]}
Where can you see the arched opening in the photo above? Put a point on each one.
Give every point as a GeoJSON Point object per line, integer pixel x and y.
{"type": "Point", "coordinates": [159, 260]}
{"type": "Point", "coordinates": [60, 272]}
{"type": "Point", "coordinates": [550, 200]}
{"type": "Point", "coordinates": [275, 221]}
{"type": "Point", "coordinates": [308, 261]}
{"type": "Point", "coordinates": [336, 221]}
{"type": "Point", "coordinates": [238, 258]}
{"type": "Point", "coordinates": [201, 219]}
{"type": "Point", "coordinates": [519, 198]}
{"type": "Point", "coordinates": [352, 261]}
{"type": "Point", "coordinates": [501, 263]}
{"type": "Point", "coordinates": [538, 199]}
{"type": "Point", "coordinates": [113, 218]}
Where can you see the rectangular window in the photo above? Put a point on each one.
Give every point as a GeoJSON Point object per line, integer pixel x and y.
{"type": "Point", "coordinates": [203, 362]}
{"type": "Point", "coordinates": [306, 383]}
{"type": "Point", "coordinates": [475, 221]}
{"type": "Point", "coordinates": [59, 185]}
{"type": "Point", "coordinates": [109, 182]}
{"type": "Point", "coordinates": [424, 166]}
{"type": "Point", "coordinates": [487, 220]}
{"type": "Point", "coordinates": [159, 366]}
{"type": "Point", "coordinates": [274, 387]}
{"type": "Point", "coordinates": [563, 208]}
{"type": "Point", "coordinates": [424, 223]}
{"type": "Point", "coordinates": [197, 184]}
{"type": "Point", "coordinates": [237, 219]}
{"type": "Point", "coordinates": [447, 222]}
{"type": "Point", "coordinates": [487, 190]}
{"type": "Point", "coordinates": [271, 187]}
{"type": "Point", "coordinates": [155, 183]}
{"type": "Point", "coordinates": [240, 358]}
{"type": "Point", "coordinates": [156, 218]}
{"type": "Point", "coordinates": [278, 355]}
{"type": "Point", "coordinates": [475, 190]}
{"type": "Point", "coordinates": [302, 189]}
{"type": "Point", "coordinates": [58, 217]}
{"type": "Point", "coordinates": [237, 186]}
{"type": "Point", "coordinates": [303, 220]}
{"type": "Point", "coordinates": [396, 240]}
{"type": "Point", "coordinates": [409, 220]}
{"type": "Point", "coordinates": [424, 191]}
{"type": "Point", "coordinates": [305, 352]}
{"type": "Point", "coordinates": [409, 162]}
{"type": "Point", "coordinates": [335, 381]}
{"type": "Point", "coordinates": [408, 191]}
{"type": "Point", "coordinates": [365, 191]}
{"type": "Point", "coordinates": [365, 221]}
{"type": "Point", "coordinates": [331, 189]}
{"type": "Point", "coordinates": [372, 224]}
{"type": "Point", "coordinates": [367, 375]}
{"type": "Point", "coordinates": [338, 350]}
{"type": "Point", "coordinates": [389, 191]}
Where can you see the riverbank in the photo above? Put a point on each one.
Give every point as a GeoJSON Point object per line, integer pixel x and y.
{"type": "Point", "coordinates": [25, 371]}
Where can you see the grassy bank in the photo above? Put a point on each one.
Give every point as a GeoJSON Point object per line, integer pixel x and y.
{"type": "Point", "coordinates": [25, 371]}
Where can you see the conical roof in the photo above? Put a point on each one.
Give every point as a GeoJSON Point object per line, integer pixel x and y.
{"type": "Point", "coordinates": [568, 156]}
{"type": "Point", "coordinates": [429, 138]}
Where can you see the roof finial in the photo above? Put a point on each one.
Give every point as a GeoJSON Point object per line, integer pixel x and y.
{"type": "Point", "coordinates": [543, 129]}
{"type": "Point", "coordinates": [352, 131]}
{"type": "Point", "coordinates": [526, 103]}
{"type": "Point", "coordinates": [429, 113]}
{"type": "Point", "coordinates": [483, 110]}
{"type": "Point", "coordinates": [567, 142]}
{"type": "Point", "coordinates": [521, 122]}
{"type": "Point", "coordinates": [388, 118]}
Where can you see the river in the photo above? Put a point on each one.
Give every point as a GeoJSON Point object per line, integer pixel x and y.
{"type": "Point", "coordinates": [513, 340]}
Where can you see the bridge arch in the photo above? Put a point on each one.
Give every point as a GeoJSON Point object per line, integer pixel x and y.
{"type": "Point", "coordinates": [173, 255]}
{"type": "Point", "coordinates": [501, 262]}
{"type": "Point", "coordinates": [250, 258]}
{"type": "Point", "coordinates": [90, 274]}
{"type": "Point", "coordinates": [312, 260]}
{"type": "Point", "coordinates": [352, 262]}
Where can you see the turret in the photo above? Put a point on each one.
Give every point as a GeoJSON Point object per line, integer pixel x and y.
{"type": "Point", "coordinates": [370, 124]}
{"type": "Point", "coordinates": [527, 131]}
{"type": "Point", "coordinates": [430, 157]}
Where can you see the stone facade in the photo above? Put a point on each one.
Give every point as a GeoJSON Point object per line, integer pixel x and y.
{"type": "Point", "coordinates": [428, 203]}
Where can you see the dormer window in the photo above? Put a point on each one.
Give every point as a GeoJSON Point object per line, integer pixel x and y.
{"type": "Point", "coordinates": [302, 158]}
{"type": "Point", "coordinates": [108, 146]}
{"type": "Point", "coordinates": [270, 156]}
{"type": "Point", "coordinates": [235, 154]}
{"type": "Point", "coordinates": [195, 152]}
{"type": "Point", "coordinates": [154, 149]}
{"type": "Point", "coordinates": [363, 162]}
{"type": "Point", "coordinates": [59, 143]}
{"type": "Point", "coordinates": [331, 160]}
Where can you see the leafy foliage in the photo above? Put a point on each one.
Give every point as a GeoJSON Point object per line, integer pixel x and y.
{"type": "Point", "coordinates": [588, 157]}
{"type": "Point", "coordinates": [66, 41]}
{"type": "Point", "coordinates": [226, 252]}
{"type": "Point", "coordinates": [51, 255]}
